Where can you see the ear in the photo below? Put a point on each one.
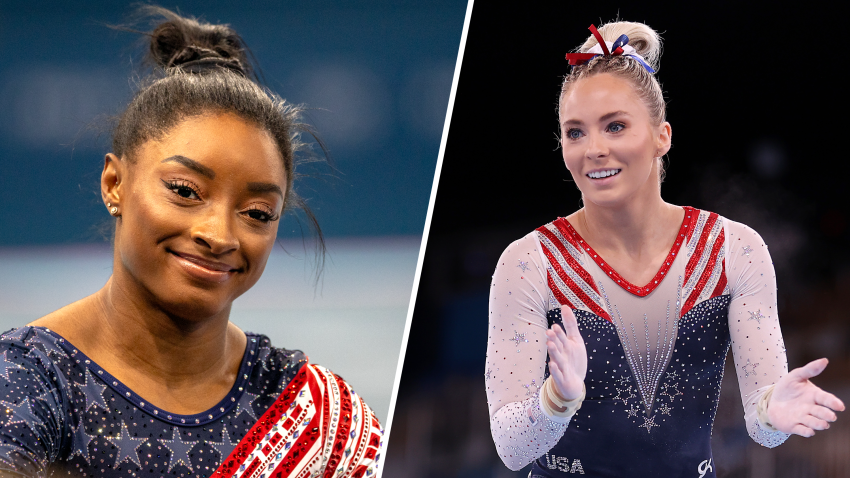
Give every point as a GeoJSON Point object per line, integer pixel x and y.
{"type": "Point", "coordinates": [114, 170]}
{"type": "Point", "coordinates": [664, 139]}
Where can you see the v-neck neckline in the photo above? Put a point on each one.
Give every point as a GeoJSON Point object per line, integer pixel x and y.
{"type": "Point", "coordinates": [681, 237]}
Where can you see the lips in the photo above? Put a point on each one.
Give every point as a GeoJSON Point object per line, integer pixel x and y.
{"type": "Point", "coordinates": [204, 269]}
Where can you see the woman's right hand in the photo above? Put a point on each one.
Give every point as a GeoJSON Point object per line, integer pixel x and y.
{"type": "Point", "coordinates": [567, 356]}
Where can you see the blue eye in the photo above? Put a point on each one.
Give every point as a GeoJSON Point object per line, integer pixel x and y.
{"type": "Point", "coordinates": [573, 134]}
{"type": "Point", "coordinates": [616, 127]}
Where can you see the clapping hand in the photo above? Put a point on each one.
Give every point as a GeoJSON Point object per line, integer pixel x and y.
{"type": "Point", "coordinates": [799, 406]}
{"type": "Point", "coordinates": [567, 356]}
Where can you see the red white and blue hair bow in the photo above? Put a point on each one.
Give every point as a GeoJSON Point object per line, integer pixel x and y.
{"type": "Point", "coordinates": [618, 47]}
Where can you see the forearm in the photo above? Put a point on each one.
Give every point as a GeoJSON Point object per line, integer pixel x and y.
{"type": "Point", "coordinates": [523, 432]}
{"type": "Point", "coordinates": [755, 414]}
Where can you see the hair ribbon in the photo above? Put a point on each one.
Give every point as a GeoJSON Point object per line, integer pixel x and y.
{"type": "Point", "coordinates": [619, 47]}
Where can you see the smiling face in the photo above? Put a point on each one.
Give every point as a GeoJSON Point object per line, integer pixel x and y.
{"type": "Point", "coordinates": [609, 143]}
{"type": "Point", "coordinates": [199, 212]}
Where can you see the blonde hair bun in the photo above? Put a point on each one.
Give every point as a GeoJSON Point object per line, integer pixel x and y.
{"type": "Point", "coordinates": [642, 38]}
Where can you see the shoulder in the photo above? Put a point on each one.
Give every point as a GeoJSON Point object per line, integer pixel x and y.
{"type": "Point", "coordinates": [554, 234]}
{"type": "Point", "coordinates": [740, 232]}
{"type": "Point", "coordinates": [269, 354]}
{"type": "Point", "coordinates": [522, 246]}
{"type": "Point", "coordinates": [274, 364]}
{"type": "Point", "coordinates": [704, 226]}
{"type": "Point", "coordinates": [323, 405]}
{"type": "Point", "coordinates": [28, 347]}
{"type": "Point", "coordinates": [36, 399]}
{"type": "Point", "coordinates": [358, 429]}
{"type": "Point", "coordinates": [699, 221]}
{"type": "Point", "coordinates": [333, 388]}
{"type": "Point", "coordinates": [522, 259]}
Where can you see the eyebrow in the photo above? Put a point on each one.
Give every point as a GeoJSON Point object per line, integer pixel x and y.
{"type": "Point", "coordinates": [191, 164]}
{"type": "Point", "coordinates": [604, 118]}
{"type": "Point", "coordinates": [261, 188]}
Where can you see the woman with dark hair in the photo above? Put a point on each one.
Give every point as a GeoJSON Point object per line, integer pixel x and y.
{"type": "Point", "coordinates": [147, 376]}
{"type": "Point", "coordinates": [609, 328]}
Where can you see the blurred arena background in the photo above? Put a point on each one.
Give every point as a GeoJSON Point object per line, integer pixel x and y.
{"type": "Point", "coordinates": [377, 75]}
{"type": "Point", "coordinates": [758, 138]}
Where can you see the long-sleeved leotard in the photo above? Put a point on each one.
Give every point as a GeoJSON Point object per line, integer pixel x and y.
{"type": "Point", "coordinates": [656, 353]}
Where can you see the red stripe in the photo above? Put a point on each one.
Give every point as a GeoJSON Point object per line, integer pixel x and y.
{"type": "Point", "coordinates": [559, 296]}
{"type": "Point", "coordinates": [252, 467]}
{"type": "Point", "coordinates": [703, 238]}
{"type": "Point", "coordinates": [565, 228]}
{"type": "Point", "coordinates": [721, 284]}
{"type": "Point", "coordinates": [326, 404]}
{"type": "Point", "coordinates": [341, 431]}
{"type": "Point", "coordinates": [706, 273]}
{"type": "Point", "coordinates": [359, 445]}
{"type": "Point", "coordinates": [574, 265]}
{"type": "Point", "coordinates": [296, 454]}
{"type": "Point", "coordinates": [580, 294]}
{"type": "Point", "coordinates": [243, 450]}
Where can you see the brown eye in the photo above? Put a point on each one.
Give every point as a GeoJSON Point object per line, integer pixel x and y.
{"type": "Point", "coordinates": [258, 215]}
{"type": "Point", "coordinates": [182, 189]}
{"type": "Point", "coordinates": [185, 192]}
{"type": "Point", "coordinates": [262, 215]}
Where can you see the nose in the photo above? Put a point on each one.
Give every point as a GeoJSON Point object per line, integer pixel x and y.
{"type": "Point", "coordinates": [215, 231]}
{"type": "Point", "coordinates": [596, 146]}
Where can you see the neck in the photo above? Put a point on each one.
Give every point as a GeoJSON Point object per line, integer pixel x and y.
{"type": "Point", "coordinates": [138, 335]}
{"type": "Point", "coordinates": [631, 225]}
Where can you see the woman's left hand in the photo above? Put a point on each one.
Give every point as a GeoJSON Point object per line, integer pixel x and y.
{"type": "Point", "coordinates": [798, 406]}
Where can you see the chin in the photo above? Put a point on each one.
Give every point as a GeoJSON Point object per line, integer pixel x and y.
{"type": "Point", "coordinates": [195, 304]}
{"type": "Point", "coordinates": [196, 311]}
{"type": "Point", "coordinates": [606, 199]}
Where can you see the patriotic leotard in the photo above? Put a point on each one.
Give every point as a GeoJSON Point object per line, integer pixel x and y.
{"type": "Point", "coordinates": [63, 415]}
{"type": "Point", "coordinates": [656, 351]}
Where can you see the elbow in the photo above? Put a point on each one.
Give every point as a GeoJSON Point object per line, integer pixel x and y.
{"type": "Point", "coordinates": [513, 462]}
{"type": "Point", "coordinates": [510, 447]}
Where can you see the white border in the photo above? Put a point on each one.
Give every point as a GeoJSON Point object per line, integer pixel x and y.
{"type": "Point", "coordinates": [446, 125]}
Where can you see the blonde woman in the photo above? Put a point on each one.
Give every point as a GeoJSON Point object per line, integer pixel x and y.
{"type": "Point", "coordinates": [609, 328]}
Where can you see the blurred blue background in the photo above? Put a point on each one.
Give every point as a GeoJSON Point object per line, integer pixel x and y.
{"type": "Point", "coordinates": [376, 77]}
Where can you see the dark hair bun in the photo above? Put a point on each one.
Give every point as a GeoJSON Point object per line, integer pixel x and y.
{"type": "Point", "coordinates": [185, 41]}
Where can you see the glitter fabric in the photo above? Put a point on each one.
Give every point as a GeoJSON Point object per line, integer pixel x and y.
{"type": "Point", "coordinates": [656, 352]}
{"type": "Point", "coordinates": [63, 415]}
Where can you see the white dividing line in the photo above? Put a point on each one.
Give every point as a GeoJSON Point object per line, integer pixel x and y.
{"type": "Point", "coordinates": [427, 229]}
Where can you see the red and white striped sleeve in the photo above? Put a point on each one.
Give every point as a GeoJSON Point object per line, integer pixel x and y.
{"type": "Point", "coordinates": [318, 426]}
